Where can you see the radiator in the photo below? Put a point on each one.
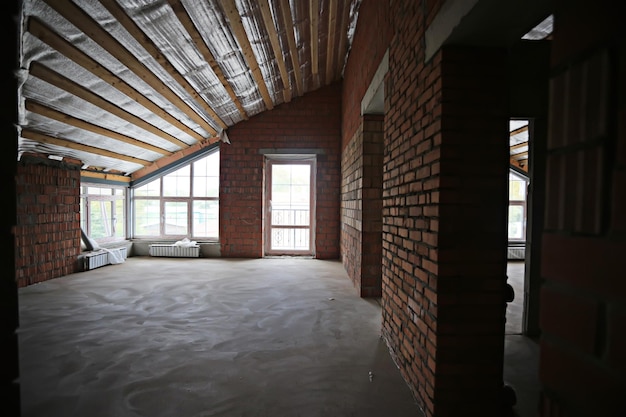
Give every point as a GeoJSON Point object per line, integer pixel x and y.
{"type": "Point", "coordinates": [102, 258]}
{"type": "Point", "coordinates": [175, 251]}
{"type": "Point", "coordinates": [516, 252]}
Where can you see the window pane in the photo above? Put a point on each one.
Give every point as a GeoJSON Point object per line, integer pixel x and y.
{"type": "Point", "coordinates": [516, 222]}
{"type": "Point", "coordinates": [205, 218]}
{"type": "Point", "coordinates": [100, 219]}
{"type": "Point", "coordinates": [291, 194]}
{"type": "Point", "coordinates": [178, 183]}
{"type": "Point", "coordinates": [147, 215]}
{"type": "Point", "coordinates": [83, 214]}
{"type": "Point", "coordinates": [206, 176]}
{"type": "Point", "coordinates": [290, 239]}
{"type": "Point", "coordinates": [175, 218]}
{"type": "Point", "coordinates": [152, 189]}
{"type": "Point", "coordinates": [517, 190]}
{"type": "Point", "coordinates": [119, 219]}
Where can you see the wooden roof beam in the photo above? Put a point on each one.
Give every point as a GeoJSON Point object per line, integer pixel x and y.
{"type": "Point", "coordinates": [278, 53]}
{"type": "Point", "coordinates": [93, 30]}
{"type": "Point", "coordinates": [230, 8]}
{"type": "Point", "coordinates": [56, 79]}
{"type": "Point", "coordinates": [204, 50]}
{"type": "Point", "coordinates": [518, 146]}
{"type": "Point", "coordinates": [343, 38]}
{"type": "Point", "coordinates": [330, 48]}
{"type": "Point", "coordinates": [51, 113]}
{"type": "Point", "coordinates": [65, 143]}
{"type": "Point", "coordinates": [44, 33]}
{"type": "Point", "coordinates": [291, 41]}
{"type": "Point", "coordinates": [129, 24]}
{"type": "Point", "coordinates": [314, 23]}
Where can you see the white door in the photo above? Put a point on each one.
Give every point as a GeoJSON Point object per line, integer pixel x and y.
{"type": "Point", "coordinates": [289, 207]}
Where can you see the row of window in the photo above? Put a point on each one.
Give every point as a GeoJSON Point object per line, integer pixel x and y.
{"type": "Point", "coordinates": [185, 203]}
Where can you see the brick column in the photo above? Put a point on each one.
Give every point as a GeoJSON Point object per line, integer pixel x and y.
{"type": "Point", "coordinates": [361, 207]}
{"type": "Point", "coordinates": [444, 233]}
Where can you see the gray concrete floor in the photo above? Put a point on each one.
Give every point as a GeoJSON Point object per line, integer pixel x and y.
{"type": "Point", "coordinates": [521, 354]}
{"type": "Point", "coordinates": [206, 337]}
{"type": "Point", "coordinates": [218, 337]}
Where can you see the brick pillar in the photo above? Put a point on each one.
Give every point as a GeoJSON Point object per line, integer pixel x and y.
{"type": "Point", "coordinates": [583, 300]}
{"type": "Point", "coordinates": [47, 234]}
{"type": "Point", "coordinates": [361, 207]}
{"type": "Point", "coordinates": [445, 204]}
{"type": "Point", "coordinates": [467, 265]}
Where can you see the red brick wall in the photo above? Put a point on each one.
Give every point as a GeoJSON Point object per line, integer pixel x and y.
{"type": "Point", "coordinates": [371, 40]}
{"type": "Point", "coordinates": [361, 207]}
{"type": "Point", "coordinates": [583, 300]}
{"type": "Point", "coordinates": [351, 207]}
{"type": "Point", "coordinates": [47, 234]}
{"type": "Point", "coordinates": [444, 214]}
{"type": "Point", "coordinates": [309, 122]}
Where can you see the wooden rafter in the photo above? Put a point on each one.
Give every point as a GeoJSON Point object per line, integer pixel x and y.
{"type": "Point", "coordinates": [65, 143]}
{"type": "Point", "coordinates": [56, 79]}
{"type": "Point", "coordinates": [273, 35]}
{"type": "Point", "coordinates": [521, 155]}
{"type": "Point", "coordinates": [343, 38]}
{"type": "Point", "coordinates": [291, 41]}
{"type": "Point", "coordinates": [129, 24]}
{"type": "Point", "coordinates": [204, 50]}
{"type": "Point", "coordinates": [53, 114]}
{"type": "Point", "coordinates": [517, 146]}
{"type": "Point", "coordinates": [314, 18]}
{"type": "Point", "coordinates": [41, 31]}
{"type": "Point", "coordinates": [330, 48]}
{"type": "Point", "coordinates": [93, 30]}
{"type": "Point", "coordinates": [519, 130]}
{"type": "Point", "coordinates": [230, 8]}
{"type": "Point", "coordinates": [104, 176]}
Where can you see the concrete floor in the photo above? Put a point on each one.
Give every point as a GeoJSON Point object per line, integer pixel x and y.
{"type": "Point", "coordinates": [521, 354]}
{"type": "Point", "coordinates": [206, 337]}
{"type": "Point", "coordinates": [218, 337]}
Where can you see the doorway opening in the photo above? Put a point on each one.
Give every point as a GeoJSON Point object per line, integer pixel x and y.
{"type": "Point", "coordinates": [517, 221]}
{"type": "Point", "coordinates": [290, 207]}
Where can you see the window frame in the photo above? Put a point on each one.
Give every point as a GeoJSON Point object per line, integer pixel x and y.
{"type": "Point", "coordinates": [163, 200]}
{"type": "Point", "coordinates": [85, 210]}
{"type": "Point", "coordinates": [519, 203]}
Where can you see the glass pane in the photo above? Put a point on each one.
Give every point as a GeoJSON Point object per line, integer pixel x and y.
{"type": "Point", "coordinates": [100, 219]}
{"type": "Point", "coordinates": [291, 195]}
{"type": "Point", "coordinates": [206, 174]}
{"type": "Point", "coordinates": [516, 222]}
{"type": "Point", "coordinates": [152, 189]}
{"type": "Point", "coordinates": [517, 190]}
{"type": "Point", "coordinates": [290, 239]}
{"type": "Point", "coordinates": [205, 219]}
{"type": "Point", "coordinates": [175, 218]}
{"type": "Point", "coordinates": [83, 214]}
{"type": "Point", "coordinates": [147, 216]}
{"type": "Point", "coordinates": [119, 222]}
{"type": "Point", "coordinates": [178, 183]}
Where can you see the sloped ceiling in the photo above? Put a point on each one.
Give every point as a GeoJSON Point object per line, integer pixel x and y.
{"type": "Point", "coordinates": [119, 84]}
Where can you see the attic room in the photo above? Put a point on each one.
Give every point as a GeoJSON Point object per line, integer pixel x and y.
{"type": "Point", "coordinates": [320, 206]}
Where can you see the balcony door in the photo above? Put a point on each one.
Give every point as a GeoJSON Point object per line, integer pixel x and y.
{"type": "Point", "coordinates": [289, 217]}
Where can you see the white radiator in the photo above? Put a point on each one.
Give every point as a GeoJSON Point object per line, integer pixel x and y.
{"type": "Point", "coordinates": [517, 252]}
{"type": "Point", "coordinates": [175, 251]}
{"type": "Point", "coordinates": [103, 257]}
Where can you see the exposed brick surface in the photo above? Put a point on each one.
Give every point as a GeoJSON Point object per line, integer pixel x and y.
{"type": "Point", "coordinates": [311, 122]}
{"type": "Point", "coordinates": [361, 207]}
{"type": "Point", "coordinates": [436, 205]}
{"type": "Point", "coordinates": [47, 234]}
